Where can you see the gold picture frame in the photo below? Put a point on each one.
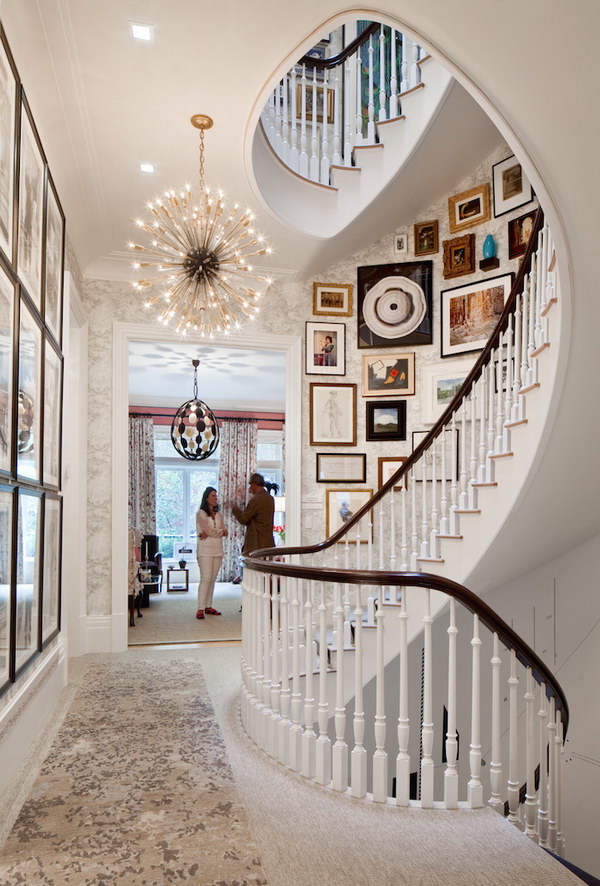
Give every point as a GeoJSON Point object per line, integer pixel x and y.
{"type": "Point", "coordinates": [469, 208]}
{"type": "Point", "coordinates": [426, 236]}
{"type": "Point", "coordinates": [332, 299]}
{"type": "Point", "coordinates": [309, 101]}
{"type": "Point", "coordinates": [459, 256]}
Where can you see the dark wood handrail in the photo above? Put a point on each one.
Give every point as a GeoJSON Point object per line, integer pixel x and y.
{"type": "Point", "coordinates": [335, 60]}
{"type": "Point", "coordinates": [467, 598]}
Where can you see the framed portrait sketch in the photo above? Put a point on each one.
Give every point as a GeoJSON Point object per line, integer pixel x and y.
{"type": "Point", "coordinates": [31, 209]}
{"type": "Point", "coordinates": [51, 568]}
{"type": "Point", "coordinates": [388, 375]}
{"type": "Point", "coordinates": [401, 243]}
{"type": "Point", "coordinates": [511, 186]}
{"type": "Point", "coordinates": [332, 299]}
{"type": "Point", "coordinates": [451, 456]}
{"type": "Point", "coordinates": [519, 232]}
{"type": "Point", "coordinates": [342, 467]}
{"type": "Point", "coordinates": [394, 305]}
{"type": "Point", "coordinates": [28, 576]}
{"type": "Point", "coordinates": [54, 256]}
{"type": "Point", "coordinates": [387, 467]}
{"type": "Point", "coordinates": [426, 237]}
{"type": "Point", "coordinates": [7, 308]}
{"type": "Point", "coordinates": [340, 506]}
{"type": "Point", "coordinates": [386, 420]}
{"type": "Point", "coordinates": [325, 348]}
{"type": "Point", "coordinates": [332, 414]}
{"type": "Point", "coordinates": [439, 386]}
{"type": "Point", "coordinates": [52, 415]}
{"type": "Point", "coordinates": [459, 256]}
{"type": "Point", "coordinates": [7, 495]}
{"type": "Point", "coordinates": [469, 208]}
{"type": "Point", "coordinates": [8, 116]}
{"type": "Point", "coordinates": [30, 392]}
{"type": "Point", "coordinates": [470, 313]}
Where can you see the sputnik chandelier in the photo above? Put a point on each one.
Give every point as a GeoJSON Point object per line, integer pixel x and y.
{"type": "Point", "coordinates": [199, 255]}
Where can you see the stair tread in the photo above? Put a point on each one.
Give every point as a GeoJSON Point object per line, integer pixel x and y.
{"type": "Point", "coordinates": [390, 120]}
{"type": "Point", "coordinates": [515, 424]}
{"type": "Point", "coordinates": [502, 455]}
{"type": "Point", "coordinates": [412, 89]}
{"type": "Point", "coordinates": [541, 349]}
{"type": "Point", "coordinates": [344, 167]}
{"type": "Point", "coordinates": [450, 536]}
{"type": "Point", "coordinates": [477, 485]}
{"type": "Point", "coordinates": [467, 511]}
{"type": "Point", "coordinates": [529, 388]}
{"type": "Point", "coordinates": [364, 147]}
{"type": "Point", "coordinates": [430, 560]}
{"type": "Point", "coordinates": [546, 310]}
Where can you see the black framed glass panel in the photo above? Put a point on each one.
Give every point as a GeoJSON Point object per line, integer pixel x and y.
{"type": "Point", "coordinates": [51, 569]}
{"type": "Point", "coordinates": [7, 305]}
{"type": "Point", "coordinates": [6, 519]}
{"type": "Point", "coordinates": [29, 412]}
{"type": "Point", "coordinates": [52, 424]}
{"type": "Point", "coordinates": [28, 576]}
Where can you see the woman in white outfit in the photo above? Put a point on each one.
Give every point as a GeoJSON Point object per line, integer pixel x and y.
{"type": "Point", "coordinates": [211, 531]}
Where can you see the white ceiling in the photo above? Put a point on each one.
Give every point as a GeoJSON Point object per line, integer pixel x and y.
{"type": "Point", "coordinates": [161, 374]}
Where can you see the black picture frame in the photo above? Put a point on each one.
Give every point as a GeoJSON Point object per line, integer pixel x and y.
{"type": "Point", "coordinates": [52, 432]}
{"type": "Point", "coordinates": [29, 395]}
{"type": "Point", "coordinates": [7, 559]}
{"type": "Point", "coordinates": [50, 608]}
{"type": "Point", "coordinates": [54, 262]}
{"type": "Point", "coordinates": [419, 275]}
{"type": "Point", "coordinates": [8, 302]}
{"type": "Point", "coordinates": [27, 585]}
{"type": "Point", "coordinates": [456, 315]}
{"type": "Point", "coordinates": [358, 458]}
{"type": "Point", "coordinates": [9, 114]}
{"type": "Point", "coordinates": [382, 412]}
{"type": "Point", "coordinates": [511, 186]}
{"type": "Point", "coordinates": [31, 206]}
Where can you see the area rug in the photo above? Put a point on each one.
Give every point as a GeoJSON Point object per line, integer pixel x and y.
{"type": "Point", "coordinates": [136, 788]}
{"type": "Point", "coordinates": [171, 617]}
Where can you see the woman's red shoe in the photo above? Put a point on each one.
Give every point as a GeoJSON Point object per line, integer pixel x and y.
{"type": "Point", "coordinates": [211, 611]}
{"type": "Point", "coordinates": [200, 613]}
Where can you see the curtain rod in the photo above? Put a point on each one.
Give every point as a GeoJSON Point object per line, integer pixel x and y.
{"type": "Point", "coordinates": [229, 417]}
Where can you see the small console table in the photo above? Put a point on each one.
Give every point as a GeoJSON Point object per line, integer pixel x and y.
{"type": "Point", "coordinates": [178, 583]}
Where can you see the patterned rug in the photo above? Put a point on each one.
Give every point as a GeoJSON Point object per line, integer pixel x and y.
{"type": "Point", "coordinates": [136, 789]}
{"type": "Point", "coordinates": [171, 618]}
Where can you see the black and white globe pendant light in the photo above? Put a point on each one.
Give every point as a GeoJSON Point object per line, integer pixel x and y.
{"type": "Point", "coordinates": [195, 431]}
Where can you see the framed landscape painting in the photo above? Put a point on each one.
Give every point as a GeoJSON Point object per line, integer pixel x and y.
{"type": "Point", "coordinates": [325, 348]}
{"type": "Point", "coordinates": [511, 186]}
{"type": "Point", "coordinates": [439, 386]}
{"type": "Point", "coordinates": [386, 420]}
{"type": "Point", "coordinates": [332, 414]}
{"type": "Point", "coordinates": [470, 314]}
{"type": "Point", "coordinates": [332, 299]}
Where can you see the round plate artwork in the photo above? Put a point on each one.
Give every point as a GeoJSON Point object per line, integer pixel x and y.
{"type": "Point", "coordinates": [194, 431]}
{"type": "Point", "coordinates": [394, 306]}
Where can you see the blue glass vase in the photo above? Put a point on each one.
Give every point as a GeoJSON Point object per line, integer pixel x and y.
{"type": "Point", "coordinates": [489, 247]}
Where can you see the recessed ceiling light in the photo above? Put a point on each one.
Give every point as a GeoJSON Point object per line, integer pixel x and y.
{"type": "Point", "coordinates": [140, 32]}
{"type": "Point", "coordinates": [146, 167]}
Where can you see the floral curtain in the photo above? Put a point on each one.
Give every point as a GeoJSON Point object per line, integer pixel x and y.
{"type": "Point", "coordinates": [142, 491]}
{"type": "Point", "coordinates": [237, 460]}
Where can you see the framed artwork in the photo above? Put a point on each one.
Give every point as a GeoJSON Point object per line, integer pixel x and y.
{"type": "Point", "coordinates": [459, 256]}
{"type": "Point", "coordinates": [8, 109]}
{"type": "Point", "coordinates": [7, 308]}
{"type": "Point", "coordinates": [332, 299]}
{"type": "Point", "coordinates": [325, 348]}
{"type": "Point", "coordinates": [343, 467]}
{"type": "Point", "coordinates": [6, 521]}
{"type": "Point", "coordinates": [418, 437]}
{"type": "Point", "coordinates": [340, 506]}
{"type": "Point", "coordinates": [54, 255]}
{"type": "Point", "coordinates": [332, 414]}
{"type": "Point", "coordinates": [388, 375]}
{"type": "Point", "coordinates": [511, 186]}
{"type": "Point", "coordinates": [28, 576]}
{"type": "Point", "coordinates": [439, 386]}
{"type": "Point", "coordinates": [51, 568]}
{"type": "Point", "coordinates": [394, 305]}
{"type": "Point", "coordinates": [386, 420]}
{"type": "Point", "coordinates": [52, 415]}
{"type": "Point", "coordinates": [470, 313]}
{"type": "Point", "coordinates": [30, 393]}
{"type": "Point", "coordinates": [31, 209]}
{"type": "Point", "coordinates": [320, 52]}
{"type": "Point", "coordinates": [519, 232]}
{"type": "Point", "coordinates": [324, 105]}
{"type": "Point", "coordinates": [469, 208]}
{"type": "Point", "coordinates": [401, 243]}
{"type": "Point", "coordinates": [426, 237]}
{"type": "Point", "coordinates": [386, 467]}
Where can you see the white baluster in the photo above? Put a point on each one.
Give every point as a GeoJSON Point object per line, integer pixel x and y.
{"type": "Point", "coordinates": [434, 545]}
{"type": "Point", "coordinates": [325, 160]}
{"type": "Point", "coordinates": [285, 123]}
{"type": "Point", "coordinates": [451, 738]}
{"type": "Point", "coordinates": [278, 144]}
{"type": "Point", "coordinates": [275, 661]}
{"type": "Point", "coordinates": [542, 811]}
{"type": "Point", "coordinates": [260, 664]}
{"type": "Point", "coordinates": [303, 159]}
{"type": "Point", "coordinates": [552, 778]}
{"type": "Point", "coordinates": [403, 758]}
{"type": "Point", "coordinates": [414, 555]}
{"type": "Point", "coordinates": [473, 459]}
{"type": "Point", "coordinates": [514, 814]}
{"type": "Point", "coordinates": [491, 430]}
{"type": "Point", "coordinates": [516, 398]}
{"type": "Point", "coordinates": [474, 787]}
{"type": "Point", "coordinates": [424, 520]}
{"type": "Point", "coordinates": [404, 544]}
{"type": "Point", "coordinates": [454, 522]}
{"type": "Point", "coordinates": [415, 71]}
{"type": "Point", "coordinates": [538, 336]}
{"type": "Point", "coordinates": [545, 258]}
{"type": "Point", "coordinates": [382, 96]}
{"type": "Point", "coordinates": [525, 333]}
{"type": "Point", "coordinates": [349, 79]}
{"type": "Point", "coordinates": [406, 41]}
{"type": "Point", "coordinates": [393, 76]}
{"type": "Point", "coordinates": [271, 117]}
{"type": "Point", "coordinates": [444, 520]}
{"type": "Point", "coordinates": [495, 800]}
{"type": "Point", "coordinates": [314, 132]}
{"type": "Point", "coordinates": [484, 475]}
{"type": "Point", "coordinates": [380, 757]}
{"type": "Point", "coordinates": [499, 402]}
{"type": "Point", "coordinates": [508, 384]}
{"type": "Point", "coordinates": [427, 767]}
{"type": "Point", "coordinates": [340, 748]}
{"type": "Point", "coordinates": [285, 696]}
{"type": "Point", "coordinates": [323, 749]}
{"type": "Point", "coordinates": [531, 360]}
{"type": "Point", "coordinates": [336, 158]}
{"type": "Point", "coordinates": [530, 795]}
{"type": "Point", "coordinates": [559, 749]}
{"type": "Point", "coordinates": [464, 492]}
{"type": "Point", "coordinates": [309, 737]}
{"type": "Point", "coordinates": [266, 726]}
{"type": "Point", "coordinates": [358, 126]}
{"type": "Point", "coordinates": [295, 760]}
{"type": "Point", "coordinates": [358, 758]}
{"type": "Point", "coordinates": [294, 155]}
{"type": "Point", "coordinates": [371, 105]}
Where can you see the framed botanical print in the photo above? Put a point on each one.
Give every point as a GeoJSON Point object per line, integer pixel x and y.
{"type": "Point", "coordinates": [470, 313]}
{"type": "Point", "coordinates": [388, 375]}
{"type": "Point", "coordinates": [7, 309]}
{"type": "Point", "coordinates": [28, 576]}
{"type": "Point", "coordinates": [469, 208]}
{"type": "Point", "coordinates": [54, 257]}
{"type": "Point", "coordinates": [439, 386]}
{"type": "Point", "coordinates": [386, 420]}
{"type": "Point", "coordinates": [51, 568]}
{"type": "Point", "coordinates": [459, 256]}
{"type": "Point", "coordinates": [30, 395]}
{"type": "Point", "coordinates": [332, 299]}
{"type": "Point", "coordinates": [325, 348]}
{"type": "Point", "coordinates": [511, 186]}
{"type": "Point", "coordinates": [8, 107]}
{"type": "Point", "coordinates": [341, 467]}
{"type": "Point", "coordinates": [31, 209]}
{"type": "Point", "coordinates": [340, 506]}
{"type": "Point", "coordinates": [387, 465]}
{"type": "Point", "coordinates": [52, 415]}
{"type": "Point", "coordinates": [332, 414]}
{"type": "Point", "coordinates": [394, 305]}
{"type": "Point", "coordinates": [7, 495]}
{"type": "Point", "coordinates": [426, 237]}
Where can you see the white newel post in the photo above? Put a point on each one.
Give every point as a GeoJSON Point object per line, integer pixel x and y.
{"type": "Point", "coordinates": [323, 750]}
{"type": "Point", "coordinates": [380, 757]}
{"type": "Point", "coordinates": [475, 788]}
{"type": "Point", "coordinates": [285, 696]}
{"type": "Point", "coordinates": [542, 811]}
{"type": "Point", "coordinates": [358, 757]}
{"type": "Point", "coordinates": [308, 737]}
{"type": "Point", "coordinates": [451, 773]}
{"type": "Point", "coordinates": [403, 758]}
{"type": "Point", "coordinates": [530, 794]}
{"type": "Point", "coordinates": [340, 748]}
{"type": "Point", "coordinates": [495, 800]}
{"type": "Point", "coordinates": [427, 767]}
{"type": "Point", "coordinates": [514, 814]}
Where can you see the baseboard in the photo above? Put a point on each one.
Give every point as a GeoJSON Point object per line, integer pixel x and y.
{"type": "Point", "coordinates": [99, 630]}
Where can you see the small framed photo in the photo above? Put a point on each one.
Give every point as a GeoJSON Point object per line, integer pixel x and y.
{"type": "Point", "coordinates": [388, 375]}
{"type": "Point", "coordinates": [325, 348]}
{"type": "Point", "coordinates": [332, 414]}
{"type": "Point", "coordinates": [8, 118]}
{"type": "Point", "coordinates": [459, 256]}
{"type": "Point", "coordinates": [470, 313]}
{"type": "Point", "coordinates": [401, 243]}
{"type": "Point", "coordinates": [340, 506]}
{"type": "Point", "coordinates": [469, 208]}
{"type": "Point", "coordinates": [31, 209]}
{"type": "Point", "coordinates": [386, 467]}
{"type": "Point", "coordinates": [511, 186]}
{"type": "Point", "coordinates": [519, 232]}
{"type": "Point", "coordinates": [386, 420]}
{"type": "Point", "coordinates": [439, 386]}
{"type": "Point", "coordinates": [55, 248]}
{"type": "Point", "coordinates": [342, 467]}
{"type": "Point", "coordinates": [426, 237]}
{"type": "Point", "coordinates": [332, 299]}
{"type": "Point", "coordinates": [418, 437]}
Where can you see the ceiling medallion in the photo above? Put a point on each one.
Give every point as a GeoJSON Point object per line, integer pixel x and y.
{"type": "Point", "coordinates": [198, 255]}
{"type": "Point", "coordinates": [194, 430]}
